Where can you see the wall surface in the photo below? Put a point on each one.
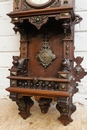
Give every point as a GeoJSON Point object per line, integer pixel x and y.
{"type": "Point", "coordinates": [9, 46]}
{"type": "Point", "coordinates": [81, 49]}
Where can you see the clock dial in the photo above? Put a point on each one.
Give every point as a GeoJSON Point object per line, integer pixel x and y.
{"type": "Point", "coordinates": [39, 3]}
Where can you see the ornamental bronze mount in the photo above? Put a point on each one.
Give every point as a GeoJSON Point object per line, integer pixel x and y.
{"type": "Point", "coordinates": [45, 68]}
{"type": "Point", "coordinates": [45, 55]}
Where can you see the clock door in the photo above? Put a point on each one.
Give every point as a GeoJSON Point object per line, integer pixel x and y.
{"type": "Point", "coordinates": [45, 50]}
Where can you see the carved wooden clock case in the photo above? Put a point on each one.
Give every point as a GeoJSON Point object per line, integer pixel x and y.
{"type": "Point", "coordinates": [45, 68]}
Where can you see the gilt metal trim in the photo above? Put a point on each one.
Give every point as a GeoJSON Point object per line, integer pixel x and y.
{"type": "Point", "coordinates": [45, 55]}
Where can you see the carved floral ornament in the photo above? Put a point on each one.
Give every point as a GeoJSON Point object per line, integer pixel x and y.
{"type": "Point", "coordinates": [38, 21]}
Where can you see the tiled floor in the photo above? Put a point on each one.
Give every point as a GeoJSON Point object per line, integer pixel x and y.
{"type": "Point", "coordinates": [10, 120]}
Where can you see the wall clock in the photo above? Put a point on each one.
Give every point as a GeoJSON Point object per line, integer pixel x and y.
{"type": "Point", "coordinates": [39, 3]}
{"type": "Point", "coordinates": [45, 67]}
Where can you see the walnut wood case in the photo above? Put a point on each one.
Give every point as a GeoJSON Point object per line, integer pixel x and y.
{"type": "Point", "coordinates": [45, 68]}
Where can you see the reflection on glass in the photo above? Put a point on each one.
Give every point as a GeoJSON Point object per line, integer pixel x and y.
{"type": "Point", "coordinates": [38, 1]}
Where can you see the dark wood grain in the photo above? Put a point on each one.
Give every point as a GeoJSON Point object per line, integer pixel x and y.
{"type": "Point", "coordinates": [45, 68]}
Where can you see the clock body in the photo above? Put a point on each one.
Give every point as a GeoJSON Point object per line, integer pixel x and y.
{"type": "Point", "coordinates": [45, 67]}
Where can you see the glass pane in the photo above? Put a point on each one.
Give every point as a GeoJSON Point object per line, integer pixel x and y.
{"type": "Point", "coordinates": [38, 1]}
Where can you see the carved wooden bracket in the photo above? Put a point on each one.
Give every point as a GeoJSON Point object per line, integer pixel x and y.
{"type": "Point", "coordinates": [78, 71]}
{"type": "Point", "coordinates": [65, 109]}
{"type": "Point", "coordinates": [20, 65]}
{"type": "Point", "coordinates": [24, 105]}
{"type": "Point", "coordinates": [44, 104]}
{"type": "Point", "coordinates": [66, 66]}
{"type": "Point", "coordinates": [16, 29]}
{"type": "Point", "coordinates": [38, 21]}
